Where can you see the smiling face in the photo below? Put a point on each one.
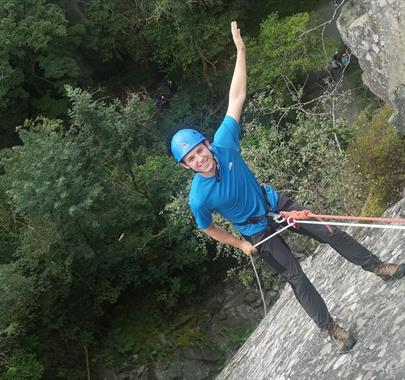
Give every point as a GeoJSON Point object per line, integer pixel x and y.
{"type": "Point", "coordinates": [201, 160]}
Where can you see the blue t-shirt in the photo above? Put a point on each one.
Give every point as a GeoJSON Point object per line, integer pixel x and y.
{"type": "Point", "coordinates": [236, 195]}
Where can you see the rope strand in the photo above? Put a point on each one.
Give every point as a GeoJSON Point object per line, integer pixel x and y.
{"type": "Point", "coordinates": [365, 218]}
{"type": "Point", "coordinates": [260, 287]}
{"type": "Point", "coordinates": [351, 224]}
{"type": "Point", "coordinates": [276, 233]}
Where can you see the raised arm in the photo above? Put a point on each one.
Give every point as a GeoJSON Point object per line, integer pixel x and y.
{"type": "Point", "coordinates": [237, 92]}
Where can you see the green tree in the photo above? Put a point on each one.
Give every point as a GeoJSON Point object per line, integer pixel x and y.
{"type": "Point", "coordinates": [283, 52]}
{"type": "Point", "coordinates": [187, 38]}
{"type": "Point", "coordinates": [23, 366]}
{"type": "Point", "coordinates": [378, 155]}
{"type": "Point", "coordinates": [304, 158]}
{"type": "Point", "coordinates": [37, 58]}
{"type": "Point", "coordinates": [90, 200]}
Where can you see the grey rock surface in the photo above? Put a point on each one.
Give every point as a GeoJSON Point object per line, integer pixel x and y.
{"type": "Point", "coordinates": [375, 32]}
{"type": "Point", "coordinates": [288, 345]}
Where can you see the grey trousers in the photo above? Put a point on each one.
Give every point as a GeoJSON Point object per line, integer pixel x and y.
{"type": "Point", "coordinates": [276, 253]}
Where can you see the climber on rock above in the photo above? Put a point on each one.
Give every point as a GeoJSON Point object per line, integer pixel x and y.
{"type": "Point", "coordinates": [223, 183]}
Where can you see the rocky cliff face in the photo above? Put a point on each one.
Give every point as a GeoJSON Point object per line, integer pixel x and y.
{"type": "Point", "coordinates": [288, 345]}
{"type": "Point", "coordinates": [375, 32]}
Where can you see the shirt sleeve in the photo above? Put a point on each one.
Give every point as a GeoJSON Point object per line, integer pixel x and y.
{"type": "Point", "coordinates": [202, 215]}
{"type": "Point", "coordinates": [227, 135]}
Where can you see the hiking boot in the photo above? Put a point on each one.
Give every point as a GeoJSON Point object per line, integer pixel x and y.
{"type": "Point", "coordinates": [389, 271]}
{"type": "Point", "coordinates": [344, 339]}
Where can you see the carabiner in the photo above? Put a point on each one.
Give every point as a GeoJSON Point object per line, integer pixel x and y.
{"type": "Point", "coordinates": [278, 219]}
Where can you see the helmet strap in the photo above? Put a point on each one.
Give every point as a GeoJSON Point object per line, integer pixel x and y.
{"type": "Point", "coordinates": [217, 177]}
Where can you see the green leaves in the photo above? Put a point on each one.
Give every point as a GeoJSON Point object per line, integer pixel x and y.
{"type": "Point", "coordinates": [378, 156]}
{"type": "Point", "coordinates": [303, 159]}
{"type": "Point", "coordinates": [37, 57]}
{"type": "Point", "coordinates": [24, 366]}
{"type": "Point", "coordinates": [32, 24]}
{"type": "Point", "coordinates": [90, 200]}
{"type": "Point", "coordinates": [186, 38]}
{"type": "Point", "coordinates": [282, 49]}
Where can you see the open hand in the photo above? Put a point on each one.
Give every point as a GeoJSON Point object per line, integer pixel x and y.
{"type": "Point", "coordinates": [237, 39]}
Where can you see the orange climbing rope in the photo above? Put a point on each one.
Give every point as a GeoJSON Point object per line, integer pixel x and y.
{"type": "Point", "coordinates": [295, 218]}
{"type": "Point", "coordinates": [307, 214]}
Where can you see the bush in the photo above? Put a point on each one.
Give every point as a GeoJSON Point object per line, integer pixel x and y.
{"type": "Point", "coordinates": [378, 154]}
{"type": "Point", "coordinates": [23, 366]}
{"type": "Point", "coordinates": [281, 50]}
{"type": "Point", "coordinates": [90, 201]}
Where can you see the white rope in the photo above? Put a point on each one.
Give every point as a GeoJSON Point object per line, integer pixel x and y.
{"type": "Point", "coordinates": [276, 233]}
{"type": "Point", "coordinates": [351, 224]}
{"type": "Point", "coordinates": [260, 287]}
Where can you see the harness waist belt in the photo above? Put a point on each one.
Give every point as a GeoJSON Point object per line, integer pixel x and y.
{"type": "Point", "coordinates": [268, 215]}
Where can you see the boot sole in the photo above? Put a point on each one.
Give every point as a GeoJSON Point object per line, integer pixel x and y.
{"type": "Point", "coordinates": [400, 271]}
{"type": "Point", "coordinates": [349, 344]}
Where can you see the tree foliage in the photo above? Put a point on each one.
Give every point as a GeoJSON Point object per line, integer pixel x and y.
{"type": "Point", "coordinates": [37, 54]}
{"type": "Point", "coordinates": [303, 158]}
{"type": "Point", "coordinates": [90, 199]}
{"type": "Point", "coordinates": [378, 154]}
{"type": "Point", "coordinates": [282, 52]}
{"type": "Point", "coordinates": [183, 37]}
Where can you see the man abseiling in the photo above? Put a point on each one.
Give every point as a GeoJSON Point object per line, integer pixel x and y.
{"type": "Point", "coordinates": [223, 183]}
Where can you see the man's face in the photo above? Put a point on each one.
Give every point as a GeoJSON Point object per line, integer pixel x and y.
{"type": "Point", "coordinates": [200, 159]}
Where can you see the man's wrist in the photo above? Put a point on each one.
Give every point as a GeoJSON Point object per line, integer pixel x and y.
{"type": "Point", "coordinates": [238, 243]}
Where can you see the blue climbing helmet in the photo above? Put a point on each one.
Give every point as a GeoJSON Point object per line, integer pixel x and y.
{"type": "Point", "coordinates": [184, 141]}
